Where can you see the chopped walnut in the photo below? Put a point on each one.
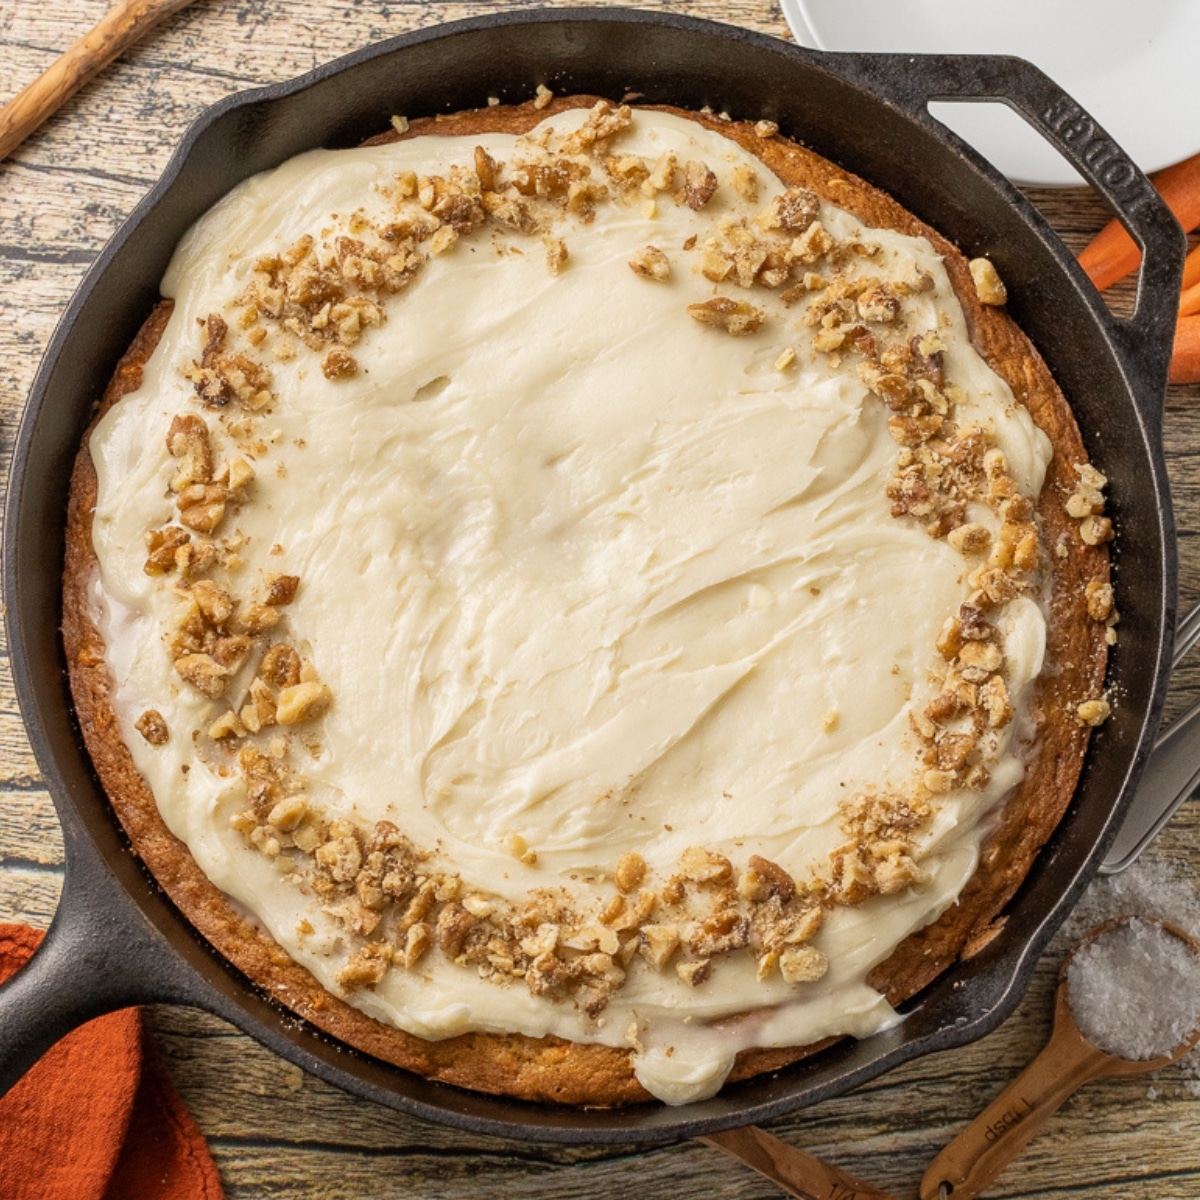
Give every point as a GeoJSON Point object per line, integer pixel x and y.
{"type": "Point", "coordinates": [897, 871]}
{"type": "Point", "coordinates": [280, 666]}
{"type": "Point", "coordinates": [230, 652]}
{"type": "Point", "coordinates": [993, 698]}
{"type": "Point", "coordinates": [213, 600]}
{"type": "Point", "coordinates": [699, 184]}
{"type": "Point", "coordinates": [725, 930]}
{"type": "Point", "coordinates": [703, 866]}
{"type": "Point", "coordinates": [163, 545]}
{"type": "Point", "coordinates": [239, 476]}
{"type": "Point", "coordinates": [953, 749]}
{"type": "Point", "coordinates": [878, 303]}
{"type": "Point", "coordinates": [631, 870]}
{"type": "Point", "coordinates": [417, 941]}
{"type": "Point", "coordinates": [969, 539]}
{"type": "Point", "coordinates": [766, 129]}
{"type": "Point", "coordinates": [153, 728]}
{"type": "Point", "coordinates": [341, 854]}
{"type": "Point", "coordinates": [763, 879]}
{"type": "Point", "coordinates": [745, 183]}
{"type": "Point", "coordinates": [302, 702]}
{"type": "Point", "coordinates": [204, 674]}
{"type": "Point", "coordinates": [281, 589]}
{"type": "Point", "coordinates": [202, 506]}
{"type": "Point", "coordinates": [1096, 530]}
{"type": "Point", "coordinates": [543, 941]}
{"type": "Point", "coordinates": [803, 964]}
{"type": "Point", "coordinates": [543, 96]}
{"type": "Point", "coordinates": [1099, 599]}
{"type": "Point", "coordinates": [796, 210]}
{"type": "Point", "coordinates": [985, 656]}
{"type": "Point", "coordinates": [556, 254]}
{"type": "Point", "coordinates": [604, 121]}
{"type": "Point", "coordinates": [694, 972]}
{"type": "Point", "coordinates": [1083, 504]}
{"type": "Point", "coordinates": [1094, 712]}
{"type": "Point", "coordinates": [938, 780]}
{"type": "Point", "coordinates": [289, 812]}
{"type": "Point", "coordinates": [651, 263]}
{"type": "Point", "coordinates": [656, 943]}
{"type": "Point", "coordinates": [188, 443]}
{"type": "Point", "coordinates": [950, 640]}
{"type": "Point", "coordinates": [366, 968]}
{"type": "Point", "coordinates": [215, 331]}
{"type": "Point", "coordinates": [257, 618]}
{"type": "Point", "coordinates": [338, 364]}
{"type": "Point", "coordinates": [734, 316]}
{"type": "Point", "coordinates": [989, 287]}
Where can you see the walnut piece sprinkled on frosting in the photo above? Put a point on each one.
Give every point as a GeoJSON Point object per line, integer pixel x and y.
{"type": "Point", "coordinates": [153, 728]}
{"type": "Point", "coordinates": [651, 263]}
{"type": "Point", "coordinates": [339, 364]}
{"type": "Point", "coordinates": [796, 210]}
{"type": "Point", "coordinates": [699, 184]}
{"type": "Point", "coordinates": [302, 702]}
{"type": "Point", "coordinates": [733, 316]}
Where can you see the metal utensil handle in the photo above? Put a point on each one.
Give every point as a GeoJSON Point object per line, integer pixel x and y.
{"type": "Point", "coordinates": [1171, 777]}
{"type": "Point", "coordinates": [1172, 773]}
{"type": "Point", "coordinates": [1187, 634]}
{"type": "Point", "coordinates": [1145, 339]}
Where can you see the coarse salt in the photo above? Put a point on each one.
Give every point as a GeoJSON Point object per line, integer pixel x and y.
{"type": "Point", "coordinates": [1134, 991]}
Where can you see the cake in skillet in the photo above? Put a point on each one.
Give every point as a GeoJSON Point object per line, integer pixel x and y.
{"type": "Point", "coordinates": [584, 602]}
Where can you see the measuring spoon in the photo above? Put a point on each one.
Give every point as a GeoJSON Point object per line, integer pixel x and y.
{"type": "Point", "coordinates": [978, 1154]}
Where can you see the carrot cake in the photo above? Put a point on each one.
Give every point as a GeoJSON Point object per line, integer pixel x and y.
{"type": "Point", "coordinates": [581, 602]}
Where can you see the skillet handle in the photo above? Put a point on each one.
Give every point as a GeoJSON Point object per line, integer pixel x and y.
{"type": "Point", "coordinates": [99, 955]}
{"type": "Point", "coordinates": [1144, 339]}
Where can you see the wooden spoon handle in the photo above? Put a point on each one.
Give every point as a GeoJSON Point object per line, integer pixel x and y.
{"type": "Point", "coordinates": [978, 1154]}
{"type": "Point", "coordinates": [798, 1173]}
{"type": "Point", "coordinates": [120, 27]}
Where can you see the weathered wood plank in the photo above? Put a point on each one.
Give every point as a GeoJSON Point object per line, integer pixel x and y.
{"type": "Point", "coordinates": [29, 830]}
{"type": "Point", "coordinates": [275, 1131]}
{"type": "Point", "coordinates": [29, 894]}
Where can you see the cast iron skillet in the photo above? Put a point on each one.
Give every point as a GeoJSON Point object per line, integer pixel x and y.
{"type": "Point", "coordinates": [116, 940]}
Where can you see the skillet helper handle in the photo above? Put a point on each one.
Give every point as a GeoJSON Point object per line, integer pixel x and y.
{"type": "Point", "coordinates": [95, 958]}
{"type": "Point", "coordinates": [799, 1173]}
{"type": "Point", "coordinates": [977, 1155]}
{"type": "Point", "coordinates": [1145, 339]}
{"type": "Point", "coordinates": [116, 31]}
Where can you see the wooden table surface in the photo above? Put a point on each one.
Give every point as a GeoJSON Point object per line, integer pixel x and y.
{"type": "Point", "coordinates": [274, 1131]}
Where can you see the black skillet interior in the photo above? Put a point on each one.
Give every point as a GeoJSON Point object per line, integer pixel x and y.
{"type": "Point", "coordinates": [116, 939]}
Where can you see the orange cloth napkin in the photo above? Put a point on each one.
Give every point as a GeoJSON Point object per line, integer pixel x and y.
{"type": "Point", "coordinates": [97, 1118]}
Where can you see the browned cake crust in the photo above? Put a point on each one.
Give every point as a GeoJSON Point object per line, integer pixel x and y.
{"type": "Point", "coordinates": [551, 1068]}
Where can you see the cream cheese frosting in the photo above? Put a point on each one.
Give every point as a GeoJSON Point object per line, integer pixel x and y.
{"type": "Point", "coordinates": [585, 578]}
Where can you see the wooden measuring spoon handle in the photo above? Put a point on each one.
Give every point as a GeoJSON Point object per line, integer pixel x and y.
{"type": "Point", "coordinates": [978, 1154]}
{"type": "Point", "coordinates": [120, 27]}
{"type": "Point", "coordinates": [799, 1174]}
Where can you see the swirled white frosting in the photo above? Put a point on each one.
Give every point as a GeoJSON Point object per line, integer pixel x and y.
{"type": "Point", "coordinates": [576, 568]}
